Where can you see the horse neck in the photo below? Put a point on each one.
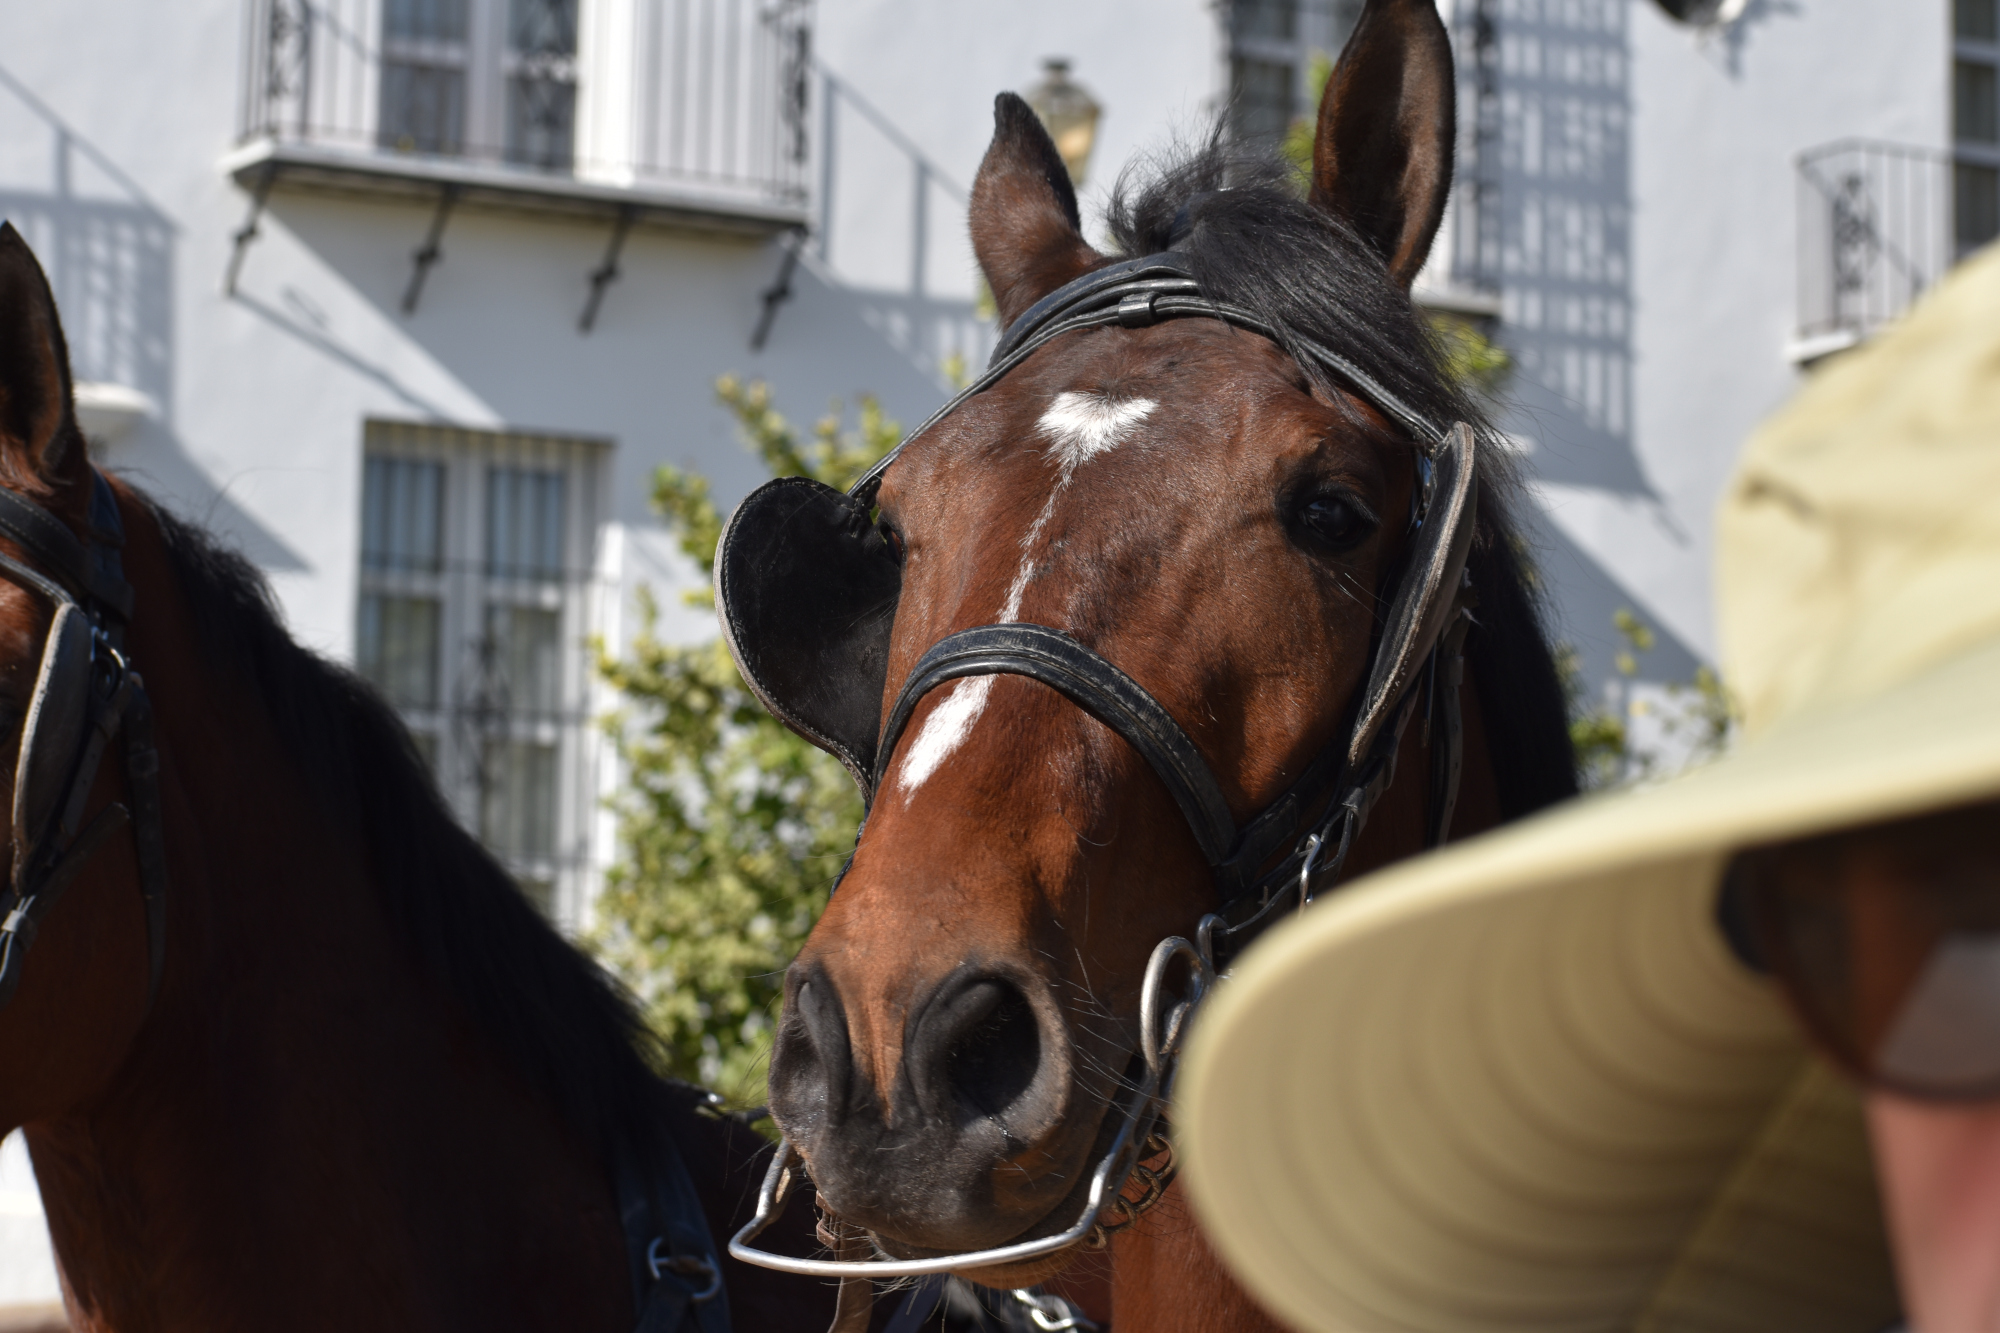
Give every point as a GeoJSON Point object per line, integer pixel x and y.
{"type": "Point", "coordinates": [306, 1132]}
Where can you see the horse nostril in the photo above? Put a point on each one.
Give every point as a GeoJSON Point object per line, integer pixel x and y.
{"type": "Point", "coordinates": [812, 1060]}
{"type": "Point", "coordinates": [991, 1047]}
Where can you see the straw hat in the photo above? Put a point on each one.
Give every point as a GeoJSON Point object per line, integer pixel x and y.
{"type": "Point", "coordinates": [1522, 1083]}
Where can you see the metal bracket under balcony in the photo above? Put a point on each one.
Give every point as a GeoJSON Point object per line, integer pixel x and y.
{"type": "Point", "coordinates": [265, 165]}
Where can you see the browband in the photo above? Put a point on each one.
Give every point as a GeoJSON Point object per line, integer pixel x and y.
{"type": "Point", "coordinates": [1136, 294]}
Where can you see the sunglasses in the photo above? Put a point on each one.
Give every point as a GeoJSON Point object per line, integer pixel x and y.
{"type": "Point", "coordinates": [1886, 942]}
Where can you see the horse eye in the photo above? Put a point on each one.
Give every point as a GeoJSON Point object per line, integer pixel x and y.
{"type": "Point", "coordinates": [894, 540]}
{"type": "Point", "coordinates": [1335, 521]}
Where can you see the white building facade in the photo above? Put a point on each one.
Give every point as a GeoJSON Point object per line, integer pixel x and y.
{"type": "Point", "coordinates": [408, 298]}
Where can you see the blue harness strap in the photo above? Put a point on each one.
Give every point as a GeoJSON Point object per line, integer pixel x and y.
{"type": "Point", "coordinates": [676, 1275]}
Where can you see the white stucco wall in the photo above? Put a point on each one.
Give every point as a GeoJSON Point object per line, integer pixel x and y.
{"type": "Point", "coordinates": [262, 395]}
{"type": "Point", "coordinates": [1718, 125]}
{"type": "Point", "coordinates": [1716, 122]}
{"type": "Point", "coordinates": [27, 1268]}
{"type": "Point", "coordinates": [933, 68]}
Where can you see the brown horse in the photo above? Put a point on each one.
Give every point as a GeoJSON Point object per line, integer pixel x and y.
{"type": "Point", "coordinates": [374, 1089]}
{"type": "Point", "coordinates": [1222, 521]}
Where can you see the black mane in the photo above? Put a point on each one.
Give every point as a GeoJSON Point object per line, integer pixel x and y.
{"type": "Point", "coordinates": [566, 1027]}
{"type": "Point", "coordinates": [1252, 240]}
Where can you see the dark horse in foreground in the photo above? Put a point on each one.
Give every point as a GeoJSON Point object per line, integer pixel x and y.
{"type": "Point", "coordinates": [347, 1078]}
{"type": "Point", "coordinates": [1201, 512]}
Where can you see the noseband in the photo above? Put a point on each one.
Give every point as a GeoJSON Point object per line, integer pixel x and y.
{"type": "Point", "coordinates": [86, 694]}
{"type": "Point", "coordinates": [806, 591]}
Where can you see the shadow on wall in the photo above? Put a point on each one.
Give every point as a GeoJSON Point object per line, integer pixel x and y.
{"type": "Point", "coordinates": [1552, 171]}
{"type": "Point", "coordinates": [498, 317]}
{"type": "Point", "coordinates": [944, 338]}
{"type": "Point", "coordinates": [1546, 222]}
{"type": "Point", "coordinates": [1582, 608]}
{"type": "Point", "coordinates": [109, 254]}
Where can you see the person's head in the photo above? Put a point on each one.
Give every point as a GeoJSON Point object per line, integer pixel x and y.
{"type": "Point", "coordinates": [1623, 1065]}
{"type": "Point", "coordinates": [1886, 942]}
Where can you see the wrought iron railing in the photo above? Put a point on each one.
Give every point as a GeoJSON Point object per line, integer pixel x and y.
{"type": "Point", "coordinates": [1875, 230]}
{"type": "Point", "coordinates": [703, 93]}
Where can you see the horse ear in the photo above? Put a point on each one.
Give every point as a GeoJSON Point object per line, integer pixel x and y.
{"type": "Point", "coordinates": [40, 447]}
{"type": "Point", "coordinates": [1387, 126]}
{"type": "Point", "coordinates": [1026, 230]}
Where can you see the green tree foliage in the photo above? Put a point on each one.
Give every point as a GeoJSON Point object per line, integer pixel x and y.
{"type": "Point", "coordinates": [1470, 357]}
{"type": "Point", "coordinates": [1297, 145]}
{"type": "Point", "coordinates": [730, 827]}
{"type": "Point", "coordinates": [1696, 716]}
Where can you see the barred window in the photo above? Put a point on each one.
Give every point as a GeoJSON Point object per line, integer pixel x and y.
{"type": "Point", "coordinates": [541, 82]}
{"type": "Point", "coordinates": [474, 606]}
{"type": "Point", "coordinates": [425, 63]}
{"type": "Point", "coordinates": [480, 78]}
{"type": "Point", "coordinates": [1975, 123]}
{"type": "Point", "coordinates": [1276, 20]}
{"type": "Point", "coordinates": [1261, 99]}
{"type": "Point", "coordinates": [1974, 19]}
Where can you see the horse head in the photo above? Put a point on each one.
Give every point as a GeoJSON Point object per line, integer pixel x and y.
{"type": "Point", "coordinates": [1203, 508]}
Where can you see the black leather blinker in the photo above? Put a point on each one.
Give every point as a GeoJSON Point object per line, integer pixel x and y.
{"type": "Point", "coordinates": [1424, 597]}
{"type": "Point", "coordinates": [52, 736]}
{"type": "Point", "coordinates": [806, 589]}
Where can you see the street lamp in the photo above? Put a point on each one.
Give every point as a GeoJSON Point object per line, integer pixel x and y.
{"type": "Point", "coordinates": [1069, 113]}
{"type": "Point", "coordinates": [1705, 13]}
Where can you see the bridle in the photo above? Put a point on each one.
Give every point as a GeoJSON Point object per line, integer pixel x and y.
{"type": "Point", "coordinates": [86, 693]}
{"type": "Point", "coordinates": [795, 530]}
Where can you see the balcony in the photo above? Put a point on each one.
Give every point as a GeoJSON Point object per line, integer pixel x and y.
{"type": "Point", "coordinates": [690, 113]}
{"type": "Point", "coordinates": [1876, 228]}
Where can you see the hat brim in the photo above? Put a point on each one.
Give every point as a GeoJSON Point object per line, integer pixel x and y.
{"type": "Point", "coordinates": [1522, 1083]}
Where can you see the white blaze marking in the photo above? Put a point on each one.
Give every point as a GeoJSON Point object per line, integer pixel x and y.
{"type": "Point", "coordinates": [944, 731]}
{"type": "Point", "coordinates": [1079, 427]}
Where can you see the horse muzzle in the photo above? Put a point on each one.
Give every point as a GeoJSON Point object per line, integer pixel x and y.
{"type": "Point", "coordinates": [967, 1139]}
{"type": "Point", "coordinates": [1128, 1140]}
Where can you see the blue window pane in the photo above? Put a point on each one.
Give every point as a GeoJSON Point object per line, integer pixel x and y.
{"type": "Point", "coordinates": [402, 515]}
{"type": "Point", "coordinates": [524, 523]}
